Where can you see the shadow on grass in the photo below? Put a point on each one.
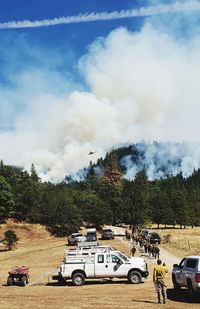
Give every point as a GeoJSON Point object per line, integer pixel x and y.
{"type": "Point", "coordinates": [182, 296]}
{"type": "Point", "coordinates": [144, 301]}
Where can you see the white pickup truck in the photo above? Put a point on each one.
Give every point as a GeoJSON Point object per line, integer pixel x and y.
{"type": "Point", "coordinates": [187, 274]}
{"type": "Point", "coordinates": [113, 264]}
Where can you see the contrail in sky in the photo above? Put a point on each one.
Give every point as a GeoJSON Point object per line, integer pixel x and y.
{"type": "Point", "coordinates": [89, 17]}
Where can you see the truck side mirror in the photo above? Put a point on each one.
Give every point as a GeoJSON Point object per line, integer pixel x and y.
{"type": "Point", "coordinates": [175, 265]}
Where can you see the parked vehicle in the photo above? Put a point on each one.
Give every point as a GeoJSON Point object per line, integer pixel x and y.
{"type": "Point", "coordinates": [18, 275]}
{"type": "Point", "coordinates": [151, 236]}
{"type": "Point", "coordinates": [74, 238]}
{"type": "Point", "coordinates": [154, 238]}
{"type": "Point", "coordinates": [91, 235]}
{"type": "Point", "coordinates": [107, 234]}
{"type": "Point", "coordinates": [144, 233]}
{"type": "Point", "coordinates": [113, 264]}
{"type": "Point", "coordinates": [187, 274]}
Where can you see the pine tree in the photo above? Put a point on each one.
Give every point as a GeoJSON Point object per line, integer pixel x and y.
{"type": "Point", "coordinates": [111, 186]}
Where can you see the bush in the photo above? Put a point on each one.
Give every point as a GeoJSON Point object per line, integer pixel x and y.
{"type": "Point", "coordinates": [10, 239]}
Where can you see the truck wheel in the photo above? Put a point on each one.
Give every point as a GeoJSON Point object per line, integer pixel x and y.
{"type": "Point", "coordinates": [23, 281]}
{"type": "Point", "coordinates": [9, 281]}
{"type": "Point", "coordinates": [175, 284]}
{"type": "Point", "coordinates": [134, 277]}
{"type": "Point", "coordinates": [78, 279]}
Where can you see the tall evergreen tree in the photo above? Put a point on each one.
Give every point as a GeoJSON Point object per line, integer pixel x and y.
{"type": "Point", "coordinates": [111, 186]}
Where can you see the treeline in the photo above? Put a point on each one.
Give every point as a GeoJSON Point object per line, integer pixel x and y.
{"type": "Point", "coordinates": [106, 198]}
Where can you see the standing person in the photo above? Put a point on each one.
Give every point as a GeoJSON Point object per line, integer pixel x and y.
{"type": "Point", "coordinates": [157, 252]}
{"type": "Point", "coordinates": [159, 275]}
{"type": "Point", "coordinates": [150, 249]}
{"type": "Point", "coordinates": [133, 250]}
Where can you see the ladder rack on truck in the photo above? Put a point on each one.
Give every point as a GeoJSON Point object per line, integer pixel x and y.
{"type": "Point", "coordinates": [88, 250]}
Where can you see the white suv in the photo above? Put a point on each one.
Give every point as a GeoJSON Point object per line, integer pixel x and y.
{"type": "Point", "coordinates": [74, 238]}
{"type": "Point", "coordinates": [187, 274]}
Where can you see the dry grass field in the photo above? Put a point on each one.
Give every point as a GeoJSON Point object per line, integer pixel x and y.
{"type": "Point", "coordinates": [43, 253]}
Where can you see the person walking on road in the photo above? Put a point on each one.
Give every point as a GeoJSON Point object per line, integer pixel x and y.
{"type": "Point", "coordinates": [159, 275]}
{"type": "Point", "coordinates": [156, 252]}
{"type": "Point", "coordinates": [133, 250]}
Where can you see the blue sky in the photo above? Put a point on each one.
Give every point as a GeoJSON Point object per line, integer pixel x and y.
{"type": "Point", "coordinates": [65, 37]}
{"type": "Point", "coordinates": [74, 87]}
{"type": "Point", "coordinates": [56, 48]}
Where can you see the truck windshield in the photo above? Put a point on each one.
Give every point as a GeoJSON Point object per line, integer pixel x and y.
{"type": "Point", "coordinates": [123, 256]}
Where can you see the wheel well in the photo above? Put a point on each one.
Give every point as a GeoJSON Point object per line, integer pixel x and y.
{"type": "Point", "coordinates": [134, 269]}
{"type": "Point", "coordinates": [79, 271]}
{"type": "Point", "coordinates": [189, 282]}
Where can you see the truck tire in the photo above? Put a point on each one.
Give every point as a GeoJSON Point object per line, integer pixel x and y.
{"type": "Point", "coordinates": [134, 277]}
{"type": "Point", "coordinates": [23, 281]}
{"type": "Point", "coordinates": [175, 284]}
{"type": "Point", "coordinates": [10, 281]}
{"type": "Point", "coordinates": [78, 279]}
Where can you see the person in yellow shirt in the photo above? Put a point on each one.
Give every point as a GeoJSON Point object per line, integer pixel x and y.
{"type": "Point", "coordinates": [159, 276]}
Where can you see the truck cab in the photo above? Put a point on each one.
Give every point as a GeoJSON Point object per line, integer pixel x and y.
{"type": "Point", "coordinates": [187, 274]}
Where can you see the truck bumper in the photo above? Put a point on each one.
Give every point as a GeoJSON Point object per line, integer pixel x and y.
{"type": "Point", "coordinates": [56, 276]}
{"type": "Point", "coordinates": [145, 274]}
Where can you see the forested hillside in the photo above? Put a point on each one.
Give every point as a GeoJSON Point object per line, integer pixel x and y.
{"type": "Point", "coordinates": [103, 197]}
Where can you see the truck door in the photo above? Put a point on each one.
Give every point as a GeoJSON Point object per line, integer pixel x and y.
{"type": "Point", "coordinates": [108, 265]}
{"type": "Point", "coordinates": [100, 268]}
{"type": "Point", "coordinates": [115, 266]}
{"type": "Point", "coordinates": [190, 269]}
{"type": "Point", "coordinates": [179, 272]}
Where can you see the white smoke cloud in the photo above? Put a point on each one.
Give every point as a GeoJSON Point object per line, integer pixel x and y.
{"type": "Point", "coordinates": [142, 86]}
{"type": "Point", "coordinates": [176, 7]}
{"type": "Point", "coordinates": [161, 160]}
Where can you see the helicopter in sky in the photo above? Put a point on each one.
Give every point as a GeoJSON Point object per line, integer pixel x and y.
{"type": "Point", "coordinates": [92, 152]}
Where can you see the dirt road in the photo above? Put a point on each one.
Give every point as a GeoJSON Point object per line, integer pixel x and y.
{"type": "Point", "coordinates": [165, 255]}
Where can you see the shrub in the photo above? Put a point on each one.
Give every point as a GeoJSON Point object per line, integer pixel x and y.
{"type": "Point", "coordinates": [10, 239]}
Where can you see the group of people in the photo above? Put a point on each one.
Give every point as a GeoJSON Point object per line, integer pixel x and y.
{"type": "Point", "coordinates": [152, 249]}
{"type": "Point", "coordinates": [160, 271]}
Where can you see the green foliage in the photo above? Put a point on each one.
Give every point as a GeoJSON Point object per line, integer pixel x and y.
{"type": "Point", "coordinates": [10, 239]}
{"type": "Point", "coordinates": [111, 186]}
{"type": "Point", "coordinates": [104, 198]}
{"type": "Point", "coordinates": [6, 200]}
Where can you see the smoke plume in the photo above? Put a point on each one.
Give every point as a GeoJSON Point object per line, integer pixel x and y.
{"type": "Point", "coordinates": [140, 86]}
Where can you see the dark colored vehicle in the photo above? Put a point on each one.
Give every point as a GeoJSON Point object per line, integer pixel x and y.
{"type": "Point", "coordinates": [107, 234]}
{"type": "Point", "coordinates": [154, 238]}
{"type": "Point", "coordinates": [144, 233]}
{"type": "Point", "coordinates": [91, 237]}
{"type": "Point", "coordinates": [18, 275]}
